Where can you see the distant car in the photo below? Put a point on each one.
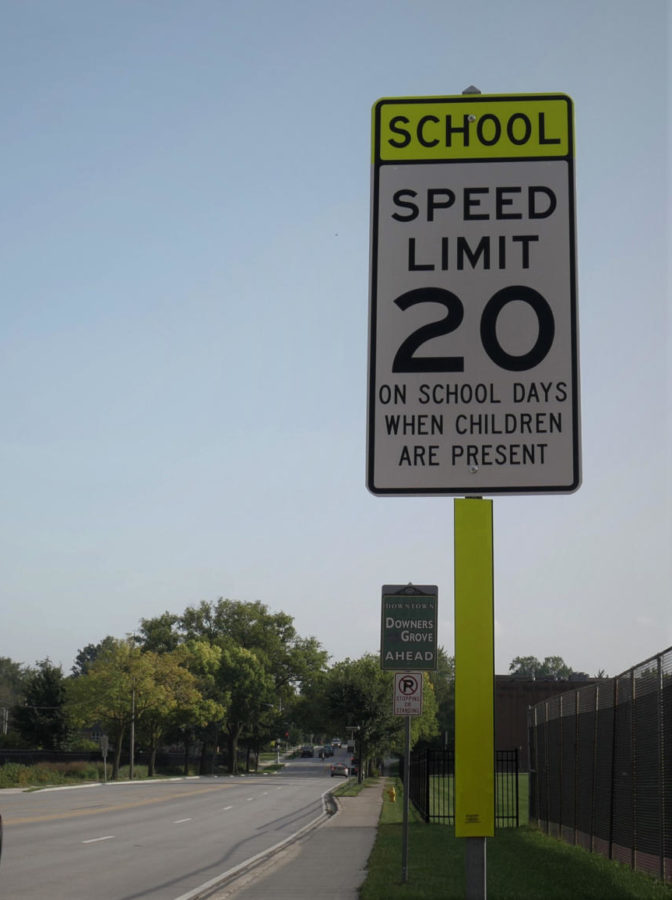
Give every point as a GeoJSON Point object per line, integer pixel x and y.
{"type": "Point", "coordinates": [307, 750]}
{"type": "Point", "coordinates": [339, 769]}
{"type": "Point", "coordinates": [354, 766]}
{"type": "Point", "coordinates": [328, 750]}
{"type": "Point", "coordinates": [336, 742]}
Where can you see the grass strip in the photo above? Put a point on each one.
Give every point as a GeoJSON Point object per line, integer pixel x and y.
{"type": "Point", "coordinates": [521, 863]}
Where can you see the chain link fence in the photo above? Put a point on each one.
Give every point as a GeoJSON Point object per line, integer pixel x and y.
{"type": "Point", "coordinates": [601, 766]}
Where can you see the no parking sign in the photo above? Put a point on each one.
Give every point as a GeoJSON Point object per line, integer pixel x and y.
{"type": "Point", "coordinates": [408, 693]}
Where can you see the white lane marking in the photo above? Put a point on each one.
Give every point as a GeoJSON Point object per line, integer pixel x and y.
{"type": "Point", "coordinates": [227, 807]}
{"type": "Point", "coordinates": [249, 799]}
{"type": "Point", "coordinates": [180, 821]}
{"type": "Point", "coordinates": [107, 837]}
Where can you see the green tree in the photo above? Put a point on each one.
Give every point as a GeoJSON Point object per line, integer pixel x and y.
{"type": "Point", "coordinates": [309, 711]}
{"type": "Point", "coordinates": [161, 634]}
{"type": "Point", "coordinates": [89, 654]}
{"type": "Point", "coordinates": [13, 677]}
{"type": "Point", "coordinates": [359, 696]}
{"type": "Point", "coordinates": [118, 687]}
{"type": "Point", "coordinates": [290, 659]}
{"type": "Point", "coordinates": [280, 654]}
{"type": "Point", "coordinates": [252, 690]}
{"type": "Point", "coordinates": [525, 665]}
{"type": "Point", "coordinates": [42, 719]}
{"type": "Point", "coordinates": [208, 713]}
{"type": "Point", "coordinates": [12, 681]}
{"type": "Point", "coordinates": [551, 667]}
{"type": "Point", "coordinates": [169, 695]}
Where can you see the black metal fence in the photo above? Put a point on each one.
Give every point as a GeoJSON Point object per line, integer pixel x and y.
{"type": "Point", "coordinates": [432, 780]}
{"type": "Point", "coordinates": [601, 766]}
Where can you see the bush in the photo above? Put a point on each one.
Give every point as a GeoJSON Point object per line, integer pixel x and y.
{"type": "Point", "coordinates": [82, 743]}
{"type": "Point", "coordinates": [76, 771]}
{"type": "Point", "coordinates": [18, 775]}
{"type": "Point", "coordinates": [11, 774]}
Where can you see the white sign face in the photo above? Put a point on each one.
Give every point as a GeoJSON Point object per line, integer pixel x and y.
{"type": "Point", "coordinates": [408, 693]}
{"type": "Point", "coordinates": [473, 369]}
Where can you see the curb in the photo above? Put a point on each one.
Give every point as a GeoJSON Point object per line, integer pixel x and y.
{"type": "Point", "coordinates": [329, 808]}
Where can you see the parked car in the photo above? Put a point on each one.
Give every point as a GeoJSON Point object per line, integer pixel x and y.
{"type": "Point", "coordinates": [339, 768]}
{"type": "Point", "coordinates": [307, 750]}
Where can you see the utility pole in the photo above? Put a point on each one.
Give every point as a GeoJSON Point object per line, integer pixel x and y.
{"type": "Point", "coordinates": [131, 767]}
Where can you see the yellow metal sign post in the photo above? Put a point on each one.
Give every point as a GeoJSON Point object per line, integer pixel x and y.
{"type": "Point", "coordinates": [474, 685]}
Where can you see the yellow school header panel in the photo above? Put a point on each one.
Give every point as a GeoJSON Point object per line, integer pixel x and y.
{"type": "Point", "coordinates": [472, 127]}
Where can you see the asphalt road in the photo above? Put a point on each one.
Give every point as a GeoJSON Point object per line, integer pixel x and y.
{"type": "Point", "coordinates": [155, 840]}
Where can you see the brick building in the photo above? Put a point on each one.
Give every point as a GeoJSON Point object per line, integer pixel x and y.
{"type": "Point", "coordinates": [513, 696]}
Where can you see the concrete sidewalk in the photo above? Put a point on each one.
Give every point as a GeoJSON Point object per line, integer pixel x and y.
{"type": "Point", "coordinates": [329, 862]}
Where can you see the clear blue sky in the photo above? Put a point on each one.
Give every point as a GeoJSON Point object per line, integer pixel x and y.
{"type": "Point", "coordinates": [184, 314]}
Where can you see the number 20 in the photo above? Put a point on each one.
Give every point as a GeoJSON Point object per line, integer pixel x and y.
{"type": "Point", "coordinates": [406, 361]}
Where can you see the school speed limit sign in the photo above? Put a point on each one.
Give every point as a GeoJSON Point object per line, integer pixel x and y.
{"type": "Point", "coordinates": [473, 352]}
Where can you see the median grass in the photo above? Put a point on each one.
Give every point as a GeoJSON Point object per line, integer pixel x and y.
{"type": "Point", "coordinates": [522, 863]}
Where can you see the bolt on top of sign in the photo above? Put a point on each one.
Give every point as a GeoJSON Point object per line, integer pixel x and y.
{"type": "Point", "coordinates": [473, 365]}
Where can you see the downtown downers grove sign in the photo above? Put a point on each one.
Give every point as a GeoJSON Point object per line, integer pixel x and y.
{"type": "Point", "coordinates": [473, 357]}
{"type": "Point", "coordinates": [408, 637]}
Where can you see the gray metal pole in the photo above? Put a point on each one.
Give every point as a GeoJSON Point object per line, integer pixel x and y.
{"type": "Point", "coordinates": [407, 790]}
{"type": "Point", "coordinates": [131, 767]}
{"type": "Point", "coordinates": [475, 868]}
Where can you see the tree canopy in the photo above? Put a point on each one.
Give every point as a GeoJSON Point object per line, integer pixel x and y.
{"type": "Point", "coordinates": [551, 667]}
{"type": "Point", "coordinates": [219, 673]}
{"type": "Point", "coordinates": [359, 697]}
{"type": "Point", "coordinates": [41, 718]}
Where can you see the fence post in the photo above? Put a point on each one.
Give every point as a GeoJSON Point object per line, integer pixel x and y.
{"type": "Point", "coordinates": [537, 774]}
{"type": "Point", "coordinates": [613, 770]}
{"type": "Point", "coordinates": [428, 775]}
{"type": "Point", "coordinates": [406, 797]}
{"type": "Point", "coordinates": [532, 762]}
{"type": "Point", "coordinates": [515, 775]}
{"type": "Point", "coordinates": [576, 761]}
{"type": "Point", "coordinates": [547, 777]}
{"type": "Point", "coordinates": [562, 766]}
{"type": "Point", "coordinates": [661, 767]}
{"type": "Point", "coordinates": [633, 769]}
{"type": "Point", "coordinates": [593, 789]}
